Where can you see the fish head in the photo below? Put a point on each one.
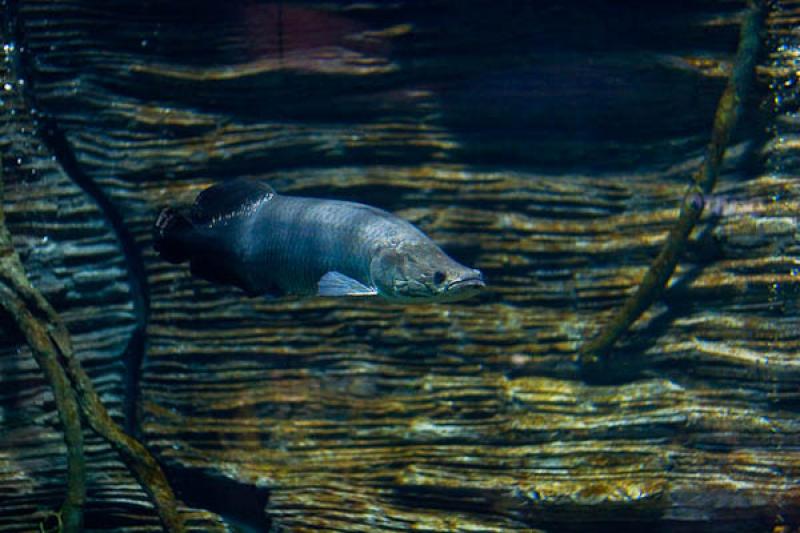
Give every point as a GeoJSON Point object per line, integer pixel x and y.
{"type": "Point", "coordinates": [423, 273]}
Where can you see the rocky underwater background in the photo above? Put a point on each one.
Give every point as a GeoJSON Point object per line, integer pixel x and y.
{"type": "Point", "coordinates": [549, 144]}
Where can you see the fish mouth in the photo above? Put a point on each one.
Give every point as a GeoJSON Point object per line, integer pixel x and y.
{"type": "Point", "coordinates": [474, 283]}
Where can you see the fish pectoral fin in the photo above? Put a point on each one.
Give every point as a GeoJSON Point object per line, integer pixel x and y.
{"type": "Point", "coordinates": [337, 284]}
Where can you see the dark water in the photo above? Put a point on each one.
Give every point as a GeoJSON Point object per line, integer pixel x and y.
{"type": "Point", "coordinates": [546, 143]}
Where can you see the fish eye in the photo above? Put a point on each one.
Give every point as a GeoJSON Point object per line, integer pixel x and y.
{"type": "Point", "coordinates": [439, 277]}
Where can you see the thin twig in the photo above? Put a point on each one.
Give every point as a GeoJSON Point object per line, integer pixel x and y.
{"type": "Point", "coordinates": [729, 110]}
{"type": "Point", "coordinates": [12, 282]}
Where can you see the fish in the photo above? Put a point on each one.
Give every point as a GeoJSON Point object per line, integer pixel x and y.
{"type": "Point", "coordinates": [241, 232]}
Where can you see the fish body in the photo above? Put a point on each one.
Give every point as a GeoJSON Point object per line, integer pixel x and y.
{"type": "Point", "coordinates": [244, 234]}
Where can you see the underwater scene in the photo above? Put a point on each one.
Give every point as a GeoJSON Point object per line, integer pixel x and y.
{"type": "Point", "coordinates": [443, 265]}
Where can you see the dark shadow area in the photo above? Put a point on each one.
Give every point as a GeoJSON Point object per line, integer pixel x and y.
{"type": "Point", "coordinates": [241, 504]}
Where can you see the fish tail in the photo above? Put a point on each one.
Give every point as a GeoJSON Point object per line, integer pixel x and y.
{"type": "Point", "coordinates": [169, 235]}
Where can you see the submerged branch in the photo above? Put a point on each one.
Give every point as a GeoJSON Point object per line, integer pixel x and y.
{"type": "Point", "coordinates": [138, 459]}
{"type": "Point", "coordinates": [729, 110]}
{"type": "Point", "coordinates": [51, 345]}
{"type": "Point", "coordinates": [15, 290]}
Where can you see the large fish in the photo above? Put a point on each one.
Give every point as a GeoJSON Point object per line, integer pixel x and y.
{"type": "Point", "coordinates": [242, 233]}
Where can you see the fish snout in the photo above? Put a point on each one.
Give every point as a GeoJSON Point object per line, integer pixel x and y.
{"type": "Point", "coordinates": [472, 279]}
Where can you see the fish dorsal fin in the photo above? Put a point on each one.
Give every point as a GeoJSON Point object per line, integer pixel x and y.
{"type": "Point", "coordinates": [230, 199]}
{"type": "Point", "coordinates": [337, 284]}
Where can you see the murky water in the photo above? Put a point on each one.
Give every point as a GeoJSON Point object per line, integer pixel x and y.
{"type": "Point", "coordinates": [548, 144]}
